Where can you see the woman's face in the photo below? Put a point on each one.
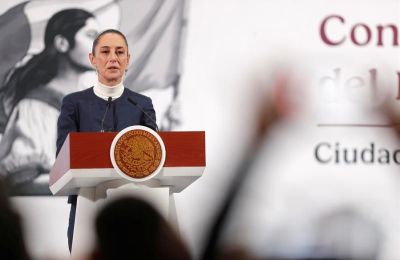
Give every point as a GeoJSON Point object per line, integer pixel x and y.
{"type": "Point", "coordinates": [83, 43]}
{"type": "Point", "coordinates": [111, 58]}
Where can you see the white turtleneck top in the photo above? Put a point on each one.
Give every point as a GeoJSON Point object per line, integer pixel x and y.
{"type": "Point", "coordinates": [104, 91]}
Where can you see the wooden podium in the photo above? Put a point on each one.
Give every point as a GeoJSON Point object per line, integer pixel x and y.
{"type": "Point", "coordinates": [84, 167]}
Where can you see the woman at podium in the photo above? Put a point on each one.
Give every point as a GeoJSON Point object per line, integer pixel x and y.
{"type": "Point", "coordinates": [108, 105]}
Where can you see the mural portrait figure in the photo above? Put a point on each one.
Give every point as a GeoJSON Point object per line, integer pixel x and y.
{"type": "Point", "coordinates": [31, 95]}
{"type": "Point", "coordinates": [45, 46]}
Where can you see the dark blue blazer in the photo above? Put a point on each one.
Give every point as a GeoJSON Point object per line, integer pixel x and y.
{"type": "Point", "coordinates": [83, 111]}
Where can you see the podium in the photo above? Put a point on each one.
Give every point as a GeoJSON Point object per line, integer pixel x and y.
{"type": "Point", "coordinates": [83, 167]}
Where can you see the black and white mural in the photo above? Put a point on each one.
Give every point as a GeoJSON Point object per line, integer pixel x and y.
{"type": "Point", "coordinates": [44, 52]}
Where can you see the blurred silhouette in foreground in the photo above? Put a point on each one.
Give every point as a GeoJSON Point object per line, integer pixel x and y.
{"type": "Point", "coordinates": [129, 228]}
{"type": "Point", "coordinates": [284, 204]}
{"type": "Point", "coordinates": [12, 245]}
{"type": "Point", "coordinates": [268, 114]}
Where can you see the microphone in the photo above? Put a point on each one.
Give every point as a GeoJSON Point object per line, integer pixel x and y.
{"type": "Point", "coordinates": [105, 113]}
{"type": "Point", "coordinates": [144, 112]}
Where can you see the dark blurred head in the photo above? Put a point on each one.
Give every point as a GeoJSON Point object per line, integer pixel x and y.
{"type": "Point", "coordinates": [130, 228]}
{"type": "Point", "coordinates": [12, 245]}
